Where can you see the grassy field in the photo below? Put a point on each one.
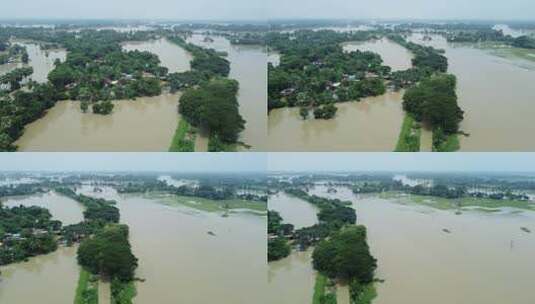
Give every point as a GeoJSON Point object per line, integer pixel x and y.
{"type": "Point", "coordinates": [184, 138]}
{"type": "Point", "coordinates": [451, 144]}
{"type": "Point", "coordinates": [368, 294]}
{"type": "Point", "coordinates": [87, 289]}
{"type": "Point", "coordinates": [409, 137]}
{"type": "Point", "coordinates": [122, 293]}
{"type": "Point", "coordinates": [467, 203]}
{"type": "Point", "coordinates": [209, 205]}
{"type": "Point", "coordinates": [319, 288]}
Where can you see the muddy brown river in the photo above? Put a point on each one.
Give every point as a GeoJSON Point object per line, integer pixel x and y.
{"type": "Point", "coordinates": [248, 65]}
{"type": "Point", "coordinates": [179, 260]}
{"type": "Point", "coordinates": [146, 124]}
{"type": "Point", "coordinates": [495, 94]}
{"type": "Point", "coordinates": [486, 257]}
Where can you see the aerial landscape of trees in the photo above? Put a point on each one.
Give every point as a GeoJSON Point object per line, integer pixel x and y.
{"type": "Point", "coordinates": [214, 107]}
{"type": "Point", "coordinates": [97, 70]}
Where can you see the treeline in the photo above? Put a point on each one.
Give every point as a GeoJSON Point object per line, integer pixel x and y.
{"type": "Point", "coordinates": [426, 62]}
{"type": "Point", "coordinates": [22, 108]}
{"type": "Point", "coordinates": [278, 247]}
{"type": "Point", "coordinates": [109, 254]}
{"type": "Point", "coordinates": [26, 232]}
{"type": "Point", "coordinates": [434, 102]}
{"type": "Point", "coordinates": [213, 107]}
{"type": "Point", "coordinates": [13, 53]}
{"type": "Point", "coordinates": [341, 251]}
{"type": "Point", "coordinates": [490, 35]}
{"type": "Point", "coordinates": [431, 95]}
{"type": "Point", "coordinates": [203, 190]}
{"type": "Point", "coordinates": [97, 214]}
{"type": "Point", "coordinates": [14, 78]}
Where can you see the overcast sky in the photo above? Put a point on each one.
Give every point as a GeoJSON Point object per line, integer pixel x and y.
{"type": "Point", "coordinates": [262, 9]}
{"type": "Point", "coordinates": [168, 162]}
{"type": "Point", "coordinates": [403, 162]}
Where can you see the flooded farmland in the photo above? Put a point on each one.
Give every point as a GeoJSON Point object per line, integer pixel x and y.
{"type": "Point", "coordinates": [145, 124]}
{"type": "Point", "coordinates": [248, 65]}
{"type": "Point", "coordinates": [494, 94]}
{"type": "Point", "coordinates": [373, 124]}
{"type": "Point", "coordinates": [179, 260]}
{"type": "Point", "coordinates": [421, 263]}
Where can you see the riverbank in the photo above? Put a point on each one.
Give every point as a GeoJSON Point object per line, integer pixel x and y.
{"type": "Point", "coordinates": [207, 205]}
{"type": "Point", "coordinates": [462, 204]}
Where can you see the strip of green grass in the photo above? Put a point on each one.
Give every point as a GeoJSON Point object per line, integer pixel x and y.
{"type": "Point", "coordinates": [184, 138]}
{"type": "Point", "coordinates": [122, 292]}
{"type": "Point", "coordinates": [450, 204]}
{"type": "Point", "coordinates": [87, 290]}
{"type": "Point", "coordinates": [319, 288]}
{"type": "Point", "coordinates": [368, 294]}
{"type": "Point", "coordinates": [209, 205]}
{"type": "Point", "coordinates": [451, 144]}
{"type": "Point", "coordinates": [409, 137]}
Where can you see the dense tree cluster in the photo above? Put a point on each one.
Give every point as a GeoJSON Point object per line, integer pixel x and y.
{"type": "Point", "coordinates": [316, 72]}
{"type": "Point", "coordinates": [214, 107]}
{"type": "Point", "coordinates": [109, 253]}
{"type": "Point", "coordinates": [204, 60]}
{"type": "Point", "coordinates": [434, 102]}
{"type": "Point", "coordinates": [26, 232]}
{"type": "Point", "coordinates": [15, 77]}
{"type": "Point", "coordinates": [346, 256]}
{"type": "Point", "coordinates": [21, 108]}
{"type": "Point", "coordinates": [278, 246]}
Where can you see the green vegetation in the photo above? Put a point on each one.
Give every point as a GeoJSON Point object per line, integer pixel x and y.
{"type": "Point", "coordinates": [204, 60]}
{"type": "Point", "coordinates": [434, 101]}
{"type": "Point", "coordinates": [109, 254]}
{"type": "Point", "coordinates": [468, 203]}
{"type": "Point", "coordinates": [214, 107]}
{"type": "Point", "coordinates": [346, 256]}
{"type": "Point", "coordinates": [362, 293]}
{"type": "Point", "coordinates": [14, 77]}
{"type": "Point", "coordinates": [22, 108]}
{"type": "Point", "coordinates": [315, 72]}
{"type": "Point", "coordinates": [122, 292]}
{"type": "Point", "coordinates": [87, 289]}
{"type": "Point", "coordinates": [209, 205]}
{"type": "Point", "coordinates": [184, 138]}
{"type": "Point", "coordinates": [103, 107]}
{"type": "Point", "coordinates": [445, 143]}
{"type": "Point", "coordinates": [278, 246]}
{"type": "Point", "coordinates": [321, 292]}
{"type": "Point", "coordinates": [409, 137]}
{"type": "Point", "coordinates": [26, 232]}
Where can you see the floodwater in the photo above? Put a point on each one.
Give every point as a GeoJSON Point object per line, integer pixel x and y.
{"type": "Point", "coordinates": [291, 280]}
{"type": "Point", "coordinates": [393, 54]}
{"type": "Point", "coordinates": [421, 263]}
{"type": "Point", "coordinates": [62, 208]}
{"type": "Point", "coordinates": [33, 281]}
{"type": "Point", "coordinates": [248, 65]}
{"type": "Point", "coordinates": [373, 124]}
{"type": "Point", "coordinates": [494, 93]}
{"type": "Point", "coordinates": [145, 124]}
{"type": "Point", "coordinates": [179, 260]}
{"type": "Point", "coordinates": [42, 61]}
{"type": "Point", "coordinates": [182, 263]}
{"type": "Point", "coordinates": [50, 278]}
{"type": "Point", "coordinates": [173, 57]}
{"type": "Point", "coordinates": [294, 210]}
